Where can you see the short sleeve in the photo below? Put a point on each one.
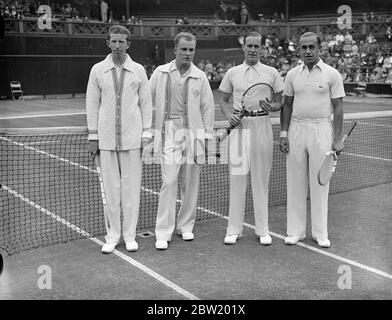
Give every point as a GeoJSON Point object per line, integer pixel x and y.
{"type": "Point", "coordinates": [337, 87]}
{"type": "Point", "coordinates": [278, 84]}
{"type": "Point", "coordinates": [288, 85]}
{"type": "Point", "coordinates": [226, 85]}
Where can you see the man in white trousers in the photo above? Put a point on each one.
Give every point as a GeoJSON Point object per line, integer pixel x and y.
{"type": "Point", "coordinates": [185, 114]}
{"type": "Point", "coordinates": [313, 92]}
{"type": "Point", "coordinates": [254, 136]}
{"type": "Point", "coordinates": [119, 115]}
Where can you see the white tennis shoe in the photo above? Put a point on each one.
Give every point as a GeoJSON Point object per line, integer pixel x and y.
{"type": "Point", "coordinates": [323, 243]}
{"type": "Point", "coordinates": [290, 240]}
{"type": "Point", "coordinates": [109, 247]}
{"type": "Point", "coordinates": [161, 244]}
{"type": "Point", "coordinates": [232, 239]}
{"type": "Point", "coordinates": [266, 240]}
{"type": "Point", "coordinates": [187, 236]}
{"type": "Point", "coordinates": [131, 246]}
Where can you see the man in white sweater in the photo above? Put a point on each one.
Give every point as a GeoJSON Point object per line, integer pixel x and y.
{"type": "Point", "coordinates": [119, 115]}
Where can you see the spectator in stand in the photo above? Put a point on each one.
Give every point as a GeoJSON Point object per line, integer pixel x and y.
{"type": "Point", "coordinates": [354, 48]}
{"type": "Point", "coordinates": [339, 38]}
{"type": "Point", "coordinates": [208, 69]}
{"type": "Point", "coordinates": [348, 37]}
{"type": "Point", "coordinates": [388, 34]}
{"type": "Point", "coordinates": [375, 76]}
{"type": "Point", "coordinates": [104, 11]}
{"type": "Point", "coordinates": [388, 62]}
{"type": "Point", "coordinates": [389, 77]}
{"type": "Point", "coordinates": [291, 48]}
{"type": "Point", "coordinates": [324, 47]}
{"type": "Point", "coordinates": [370, 38]}
{"type": "Point", "coordinates": [68, 9]}
{"type": "Point", "coordinates": [244, 13]}
{"type": "Point", "coordinates": [201, 65]}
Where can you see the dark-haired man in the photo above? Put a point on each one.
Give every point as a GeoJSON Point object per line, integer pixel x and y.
{"type": "Point", "coordinates": [255, 138]}
{"type": "Point", "coordinates": [313, 92]}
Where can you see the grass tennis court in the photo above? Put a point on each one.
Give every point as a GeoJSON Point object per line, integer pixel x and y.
{"type": "Point", "coordinates": [66, 205]}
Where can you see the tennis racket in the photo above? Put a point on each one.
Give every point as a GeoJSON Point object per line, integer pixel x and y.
{"type": "Point", "coordinates": [103, 194]}
{"type": "Point", "coordinates": [250, 103]}
{"type": "Point", "coordinates": [329, 162]}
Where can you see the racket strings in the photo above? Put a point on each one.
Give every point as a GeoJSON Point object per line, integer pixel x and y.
{"type": "Point", "coordinates": [327, 169]}
{"type": "Point", "coordinates": [252, 97]}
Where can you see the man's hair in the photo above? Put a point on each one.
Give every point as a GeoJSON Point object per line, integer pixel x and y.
{"type": "Point", "coordinates": [184, 35]}
{"type": "Point", "coordinates": [252, 34]}
{"type": "Point", "coordinates": [310, 34]}
{"type": "Point", "coordinates": [117, 29]}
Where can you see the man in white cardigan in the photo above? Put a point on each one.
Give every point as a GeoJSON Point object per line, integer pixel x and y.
{"type": "Point", "coordinates": [119, 115]}
{"type": "Point", "coordinates": [185, 116]}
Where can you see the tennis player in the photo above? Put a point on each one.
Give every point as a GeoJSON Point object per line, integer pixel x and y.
{"type": "Point", "coordinates": [313, 92]}
{"type": "Point", "coordinates": [185, 114]}
{"type": "Point", "coordinates": [119, 115]}
{"type": "Point", "coordinates": [254, 136]}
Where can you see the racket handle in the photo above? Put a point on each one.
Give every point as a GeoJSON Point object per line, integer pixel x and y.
{"type": "Point", "coordinates": [230, 128]}
{"type": "Point", "coordinates": [225, 134]}
{"type": "Point", "coordinates": [349, 132]}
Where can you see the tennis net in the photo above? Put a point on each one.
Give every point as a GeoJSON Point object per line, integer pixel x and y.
{"type": "Point", "coordinates": [50, 190]}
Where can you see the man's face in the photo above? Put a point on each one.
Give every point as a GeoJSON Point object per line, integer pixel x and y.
{"type": "Point", "coordinates": [252, 50]}
{"type": "Point", "coordinates": [185, 52]}
{"type": "Point", "coordinates": [309, 50]}
{"type": "Point", "coordinates": [118, 43]}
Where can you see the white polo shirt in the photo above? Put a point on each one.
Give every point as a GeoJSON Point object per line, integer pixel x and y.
{"type": "Point", "coordinates": [313, 90]}
{"type": "Point", "coordinates": [237, 79]}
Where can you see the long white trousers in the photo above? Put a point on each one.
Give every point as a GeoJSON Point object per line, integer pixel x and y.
{"type": "Point", "coordinates": [121, 175]}
{"type": "Point", "coordinates": [176, 161]}
{"type": "Point", "coordinates": [309, 140]}
{"type": "Point", "coordinates": [251, 149]}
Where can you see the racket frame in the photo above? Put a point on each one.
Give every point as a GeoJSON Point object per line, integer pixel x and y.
{"type": "Point", "coordinates": [335, 158]}
{"type": "Point", "coordinates": [103, 194]}
{"type": "Point", "coordinates": [332, 168]}
{"type": "Point", "coordinates": [244, 112]}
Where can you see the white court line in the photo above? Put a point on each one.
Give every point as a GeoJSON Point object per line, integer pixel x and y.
{"type": "Point", "coordinates": [123, 256]}
{"type": "Point", "coordinates": [43, 115]}
{"type": "Point", "coordinates": [336, 257]}
{"type": "Point", "coordinates": [367, 157]}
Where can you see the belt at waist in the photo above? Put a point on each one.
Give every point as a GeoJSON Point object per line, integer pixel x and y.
{"type": "Point", "coordinates": [175, 116]}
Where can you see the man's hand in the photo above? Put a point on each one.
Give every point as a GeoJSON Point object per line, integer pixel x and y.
{"type": "Point", "coordinates": [338, 146]}
{"type": "Point", "coordinates": [267, 106]}
{"type": "Point", "coordinates": [235, 119]}
{"type": "Point", "coordinates": [93, 148]}
{"type": "Point", "coordinates": [284, 145]}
